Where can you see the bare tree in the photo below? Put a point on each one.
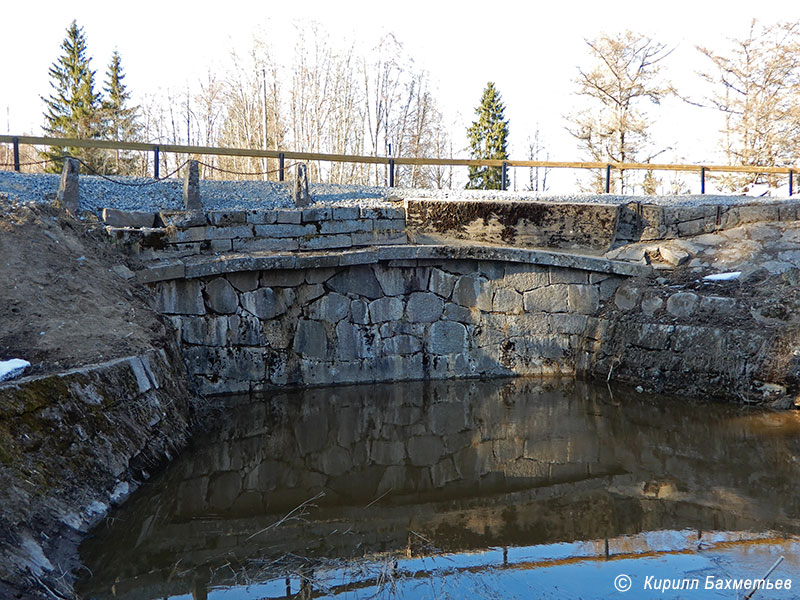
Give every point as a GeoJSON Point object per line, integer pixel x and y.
{"type": "Point", "coordinates": [625, 73]}
{"type": "Point", "coordinates": [537, 176]}
{"type": "Point", "coordinates": [757, 88]}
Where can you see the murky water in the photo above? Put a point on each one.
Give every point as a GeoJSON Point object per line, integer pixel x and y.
{"type": "Point", "coordinates": [465, 489]}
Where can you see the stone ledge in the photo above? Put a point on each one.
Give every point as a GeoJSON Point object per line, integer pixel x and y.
{"type": "Point", "coordinates": [232, 263]}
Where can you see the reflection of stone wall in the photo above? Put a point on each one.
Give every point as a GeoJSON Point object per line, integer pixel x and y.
{"type": "Point", "coordinates": [383, 321]}
{"type": "Point", "coordinates": [466, 464]}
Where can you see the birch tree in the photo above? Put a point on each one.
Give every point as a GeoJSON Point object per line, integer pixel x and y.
{"type": "Point", "coordinates": [624, 77]}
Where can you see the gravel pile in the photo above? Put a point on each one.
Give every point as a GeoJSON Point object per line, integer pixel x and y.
{"type": "Point", "coordinates": [135, 193]}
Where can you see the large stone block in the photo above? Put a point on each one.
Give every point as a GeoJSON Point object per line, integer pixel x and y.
{"type": "Point", "coordinates": [128, 218]}
{"type": "Point", "coordinates": [583, 299]}
{"type": "Point", "coordinates": [266, 303]}
{"type": "Point", "coordinates": [627, 297]}
{"type": "Point", "coordinates": [245, 281]}
{"type": "Point", "coordinates": [682, 304]}
{"type": "Point", "coordinates": [550, 299]}
{"type": "Point", "coordinates": [332, 308]}
{"type": "Point", "coordinates": [310, 339]}
{"type": "Point", "coordinates": [472, 291]}
{"type": "Point", "coordinates": [425, 450]}
{"type": "Point", "coordinates": [221, 297]}
{"type": "Point", "coordinates": [441, 283]}
{"type": "Point", "coordinates": [447, 337]}
{"type": "Point", "coordinates": [180, 297]}
{"type": "Point", "coordinates": [359, 312]}
{"type": "Point", "coordinates": [401, 344]}
{"type": "Point", "coordinates": [507, 301]}
{"type": "Point", "coordinates": [424, 307]}
{"type": "Point", "coordinates": [386, 309]}
{"type": "Point", "coordinates": [358, 281]}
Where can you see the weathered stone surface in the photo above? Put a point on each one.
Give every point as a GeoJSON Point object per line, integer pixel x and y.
{"type": "Point", "coordinates": [359, 311]}
{"type": "Point", "coordinates": [282, 277]}
{"type": "Point", "coordinates": [651, 305]}
{"type": "Point", "coordinates": [558, 275]}
{"type": "Point", "coordinates": [230, 232]}
{"type": "Point", "coordinates": [321, 242]}
{"type": "Point", "coordinates": [425, 450]}
{"type": "Point", "coordinates": [627, 297]}
{"type": "Point", "coordinates": [424, 307]}
{"type": "Point", "coordinates": [245, 281]}
{"type": "Point", "coordinates": [332, 307]}
{"type": "Point", "coordinates": [343, 213]}
{"type": "Point", "coordinates": [68, 195]}
{"type": "Point", "coordinates": [191, 187]}
{"type": "Point", "coordinates": [310, 340]}
{"type": "Point", "coordinates": [553, 298]}
{"type": "Point", "coordinates": [583, 299]}
{"type": "Point", "coordinates": [221, 297]}
{"type": "Point", "coordinates": [386, 309]}
{"type": "Point", "coordinates": [266, 303]}
{"type": "Point", "coordinates": [182, 297]}
{"type": "Point", "coordinates": [300, 194]}
{"type": "Point", "coordinates": [387, 452]}
{"type": "Point", "coordinates": [284, 230]}
{"type": "Point", "coordinates": [507, 301]}
{"type": "Point", "coordinates": [472, 291]}
{"type": "Point", "coordinates": [401, 344]}
{"type": "Point", "coordinates": [358, 281]}
{"type": "Point", "coordinates": [447, 337]}
{"type": "Point", "coordinates": [682, 304]}
{"type": "Point", "coordinates": [441, 283]}
{"type": "Point", "coordinates": [393, 281]}
{"type": "Point", "coordinates": [454, 312]}
{"type": "Point", "coordinates": [128, 218]}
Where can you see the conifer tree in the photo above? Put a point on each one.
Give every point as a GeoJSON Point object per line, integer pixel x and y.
{"type": "Point", "coordinates": [488, 139]}
{"type": "Point", "coordinates": [119, 120]}
{"type": "Point", "coordinates": [73, 109]}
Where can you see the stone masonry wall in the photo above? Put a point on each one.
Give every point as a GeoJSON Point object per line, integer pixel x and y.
{"type": "Point", "coordinates": [324, 227]}
{"type": "Point", "coordinates": [72, 444]}
{"type": "Point", "coordinates": [389, 320]}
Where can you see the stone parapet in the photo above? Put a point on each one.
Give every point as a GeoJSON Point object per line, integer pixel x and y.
{"type": "Point", "coordinates": [187, 233]}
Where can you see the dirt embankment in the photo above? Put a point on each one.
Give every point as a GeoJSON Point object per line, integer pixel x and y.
{"type": "Point", "coordinates": [65, 299]}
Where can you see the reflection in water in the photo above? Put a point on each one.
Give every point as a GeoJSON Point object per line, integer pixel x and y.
{"type": "Point", "coordinates": [495, 488]}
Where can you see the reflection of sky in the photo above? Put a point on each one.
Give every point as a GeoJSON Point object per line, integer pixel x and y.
{"type": "Point", "coordinates": [565, 570]}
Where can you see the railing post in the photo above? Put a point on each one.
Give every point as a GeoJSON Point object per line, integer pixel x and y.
{"type": "Point", "coordinates": [504, 176]}
{"type": "Point", "coordinates": [281, 166]}
{"type": "Point", "coordinates": [608, 179]}
{"type": "Point", "coordinates": [391, 172]}
{"type": "Point", "coordinates": [155, 162]}
{"type": "Point", "coordinates": [702, 180]}
{"type": "Point", "coordinates": [791, 182]}
{"type": "Point", "coordinates": [16, 154]}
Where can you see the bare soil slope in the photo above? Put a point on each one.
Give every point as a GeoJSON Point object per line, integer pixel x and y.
{"type": "Point", "coordinates": [61, 303]}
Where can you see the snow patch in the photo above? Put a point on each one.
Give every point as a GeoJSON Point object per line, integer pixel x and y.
{"type": "Point", "coordinates": [11, 368]}
{"type": "Point", "coordinates": [723, 276]}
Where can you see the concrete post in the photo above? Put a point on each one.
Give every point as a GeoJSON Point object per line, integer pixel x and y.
{"type": "Point", "coordinates": [191, 187]}
{"type": "Point", "coordinates": [300, 195]}
{"type": "Point", "coordinates": [67, 197]}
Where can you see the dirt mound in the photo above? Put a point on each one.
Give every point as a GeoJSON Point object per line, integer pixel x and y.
{"type": "Point", "coordinates": [62, 301]}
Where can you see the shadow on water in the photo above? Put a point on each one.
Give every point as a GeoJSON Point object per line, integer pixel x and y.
{"type": "Point", "coordinates": [496, 488]}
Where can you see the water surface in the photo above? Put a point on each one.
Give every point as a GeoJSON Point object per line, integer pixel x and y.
{"type": "Point", "coordinates": [461, 489]}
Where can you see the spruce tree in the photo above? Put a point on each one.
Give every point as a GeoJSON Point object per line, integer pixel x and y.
{"type": "Point", "coordinates": [119, 120]}
{"type": "Point", "coordinates": [488, 139]}
{"type": "Point", "coordinates": [73, 109]}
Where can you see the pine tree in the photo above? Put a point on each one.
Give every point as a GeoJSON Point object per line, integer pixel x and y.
{"type": "Point", "coordinates": [120, 121]}
{"type": "Point", "coordinates": [488, 139]}
{"type": "Point", "coordinates": [73, 109]}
